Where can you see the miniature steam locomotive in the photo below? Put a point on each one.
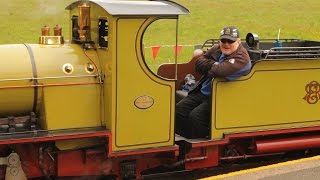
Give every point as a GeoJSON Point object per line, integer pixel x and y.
{"type": "Point", "coordinates": [76, 110]}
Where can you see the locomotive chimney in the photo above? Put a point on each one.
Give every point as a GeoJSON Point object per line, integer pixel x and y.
{"type": "Point", "coordinates": [57, 30]}
{"type": "Point", "coordinates": [45, 31]}
{"type": "Point", "coordinates": [84, 22]}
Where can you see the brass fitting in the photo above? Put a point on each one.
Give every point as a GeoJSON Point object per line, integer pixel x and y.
{"type": "Point", "coordinates": [45, 31]}
{"type": "Point", "coordinates": [46, 39]}
{"type": "Point", "coordinates": [84, 21]}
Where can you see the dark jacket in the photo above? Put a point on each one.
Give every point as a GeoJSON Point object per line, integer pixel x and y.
{"type": "Point", "coordinates": [208, 65]}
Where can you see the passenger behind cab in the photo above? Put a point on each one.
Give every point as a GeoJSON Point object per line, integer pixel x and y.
{"type": "Point", "coordinates": [229, 60]}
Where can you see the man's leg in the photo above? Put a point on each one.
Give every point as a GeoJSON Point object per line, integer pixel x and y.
{"type": "Point", "coordinates": [183, 109]}
{"type": "Point", "coordinates": [200, 120]}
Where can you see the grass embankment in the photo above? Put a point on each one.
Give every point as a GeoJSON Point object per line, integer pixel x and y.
{"type": "Point", "coordinates": [297, 19]}
{"type": "Point", "coordinates": [22, 20]}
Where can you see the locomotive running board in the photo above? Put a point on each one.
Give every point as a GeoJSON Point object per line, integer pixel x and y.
{"type": "Point", "coordinates": [44, 135]}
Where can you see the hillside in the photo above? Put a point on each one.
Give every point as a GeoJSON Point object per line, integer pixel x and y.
{"type": "Point", "coordinates": [297, 19]}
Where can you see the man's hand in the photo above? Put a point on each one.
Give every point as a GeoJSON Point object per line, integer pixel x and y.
{"type": "Point", "coordinates": [203, 65]}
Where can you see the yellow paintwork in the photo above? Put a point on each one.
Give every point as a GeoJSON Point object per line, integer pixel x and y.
{"type": "Point", "coordinates": [67, 106]}
{"type": "Point", "coordinates": [72, 107]}
{"type": "Point", "coordinates": [127, 78]}
{"type": "Point", "coordinates": [16, 65]}
{"type": "Point", "coordinates": [134, 127]}
{"type": "Point", "coordinates": [270, 97]}
{"type": "Point", "coordinates": [105, 60]}
{"type": "Point", "coordinates": [273, 92]}
{"type": "Point", "coordinates": [63, 102]}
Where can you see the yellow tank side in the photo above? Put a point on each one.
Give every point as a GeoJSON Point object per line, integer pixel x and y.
{"type": "Point", "coordinates": [270, 97]}
{"type": "Point", "coordinates": [17, 93]}
{"type": "Point", "coordinates": [67, 100]}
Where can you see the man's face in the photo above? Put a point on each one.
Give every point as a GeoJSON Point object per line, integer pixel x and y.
{"type": "Point", "coordinates": [228, 47]}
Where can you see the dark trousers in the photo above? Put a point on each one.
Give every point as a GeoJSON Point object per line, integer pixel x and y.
{"type": "Point", "coordinates": [193, 116]}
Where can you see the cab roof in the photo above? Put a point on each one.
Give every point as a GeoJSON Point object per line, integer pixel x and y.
{"type": "Point", "coordinates": [125, 7]}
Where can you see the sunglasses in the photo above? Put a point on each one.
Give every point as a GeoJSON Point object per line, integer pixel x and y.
{"type": "Point", "coordinates": [227, 41]}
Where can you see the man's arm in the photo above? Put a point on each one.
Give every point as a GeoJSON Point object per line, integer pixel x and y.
{"type": "Point", "coordinates": [205, 61]}
{"type": "Point", "coordinates": [203, 65]}
{"type": "Point", "coordinates": [229, 66]}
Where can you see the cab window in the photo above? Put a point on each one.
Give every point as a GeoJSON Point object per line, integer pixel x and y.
{"type": "Point", "coordinates": [159, 41]}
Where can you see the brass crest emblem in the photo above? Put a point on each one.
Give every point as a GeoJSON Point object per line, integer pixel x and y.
{"type": "Point", "coordinates": [313, 92]}
{"type": "Point", "coordinates": [228, 31]}
{"type": "Point", "coordinates": [144, 102]}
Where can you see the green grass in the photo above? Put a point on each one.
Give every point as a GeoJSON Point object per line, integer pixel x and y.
{"type": "Point", "coordinates": [297, 19]}
{"type": "Point", "coordinates": [22, 20]}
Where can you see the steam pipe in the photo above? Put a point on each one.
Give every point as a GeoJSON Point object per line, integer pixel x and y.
{"type": "Point", "coordinates": [287, 144]}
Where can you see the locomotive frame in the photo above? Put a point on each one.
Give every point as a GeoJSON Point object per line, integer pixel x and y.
{"type": "Point", "coordinates": [75, 110]}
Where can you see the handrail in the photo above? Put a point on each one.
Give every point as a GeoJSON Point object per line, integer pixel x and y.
{"type": "Point", "coordinates": [290, 52]}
